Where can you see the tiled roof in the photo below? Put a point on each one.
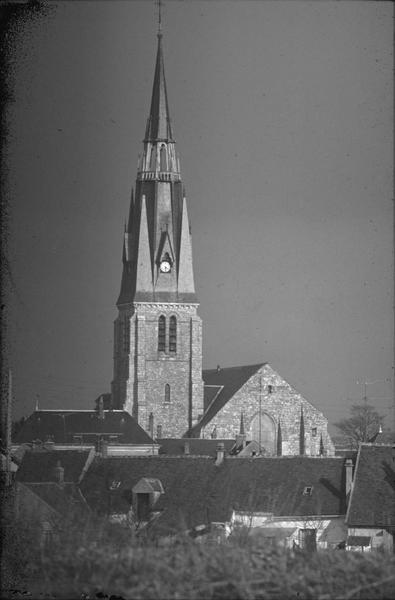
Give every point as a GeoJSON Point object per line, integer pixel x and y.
{"type": "Point", "coordinates": [197, 491]}
{"type": "Point", "coordinates": [63, 499]}
{"type": "Point", "coordinates": [64, 424]}
{"type": "Point", "coordinates": [37, 465]}
{"type": "Point", "coordinates": [197, 446]}
{"type": "Point", "coordinates": [372, 500]}
{"type": "Point", "coordinates": [220, 385]}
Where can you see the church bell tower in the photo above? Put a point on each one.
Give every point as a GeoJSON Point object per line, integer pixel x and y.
{"type": "Point", "coordinates": [158, 333]}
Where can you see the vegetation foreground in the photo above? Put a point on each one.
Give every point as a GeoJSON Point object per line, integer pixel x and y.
{"type": "Point", "coordinates": [99, 561]}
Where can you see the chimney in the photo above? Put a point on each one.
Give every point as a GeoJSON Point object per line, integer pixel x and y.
{"type": "Point", "coordinates": [151, 424]}
{"type": "Point", "coordinates": [104, 448]}
{"type": "Point", "coordinates": [159, 431]}
{"type": "Point", "coordinates": [59, 473]}
{"type": "Point", "coordinates": [348, 467]}
{"type": "Point", "coordinates": [220, 454]}
{"type": "Point", "coordinates": [100, 407]}
{"type": "Point", "coordinates": [187, 447]}
{"type": "Point", "coordinates": [218, 368]}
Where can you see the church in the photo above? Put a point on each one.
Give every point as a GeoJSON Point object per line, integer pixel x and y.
{"type": "Point", "coordinates": [158, 376]}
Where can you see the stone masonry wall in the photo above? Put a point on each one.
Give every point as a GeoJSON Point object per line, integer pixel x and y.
{"type": "Point", "coordinates": [283, 404]}
{"type": "Point", "coordinates": [142, 373]}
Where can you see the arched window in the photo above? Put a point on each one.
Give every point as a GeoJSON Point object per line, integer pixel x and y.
{"type": "Point", "coordinates": [162, 334]}
{"type": "Point", "coordinates": [173, 334]}
{"type": "Point", "coordinates": [167, 393]}
{"type": "Point", "coordinates": [163, 158]}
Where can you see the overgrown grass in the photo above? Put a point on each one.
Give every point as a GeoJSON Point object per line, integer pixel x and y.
{"type": "Point", "coordinates": [94, 558]}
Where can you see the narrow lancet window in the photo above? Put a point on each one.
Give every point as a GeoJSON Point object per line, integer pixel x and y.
{"type": "Point", "coordinates": [126, 334]}
{"type": "Point", "coordinates": [173, 335]}
{"type": "Point", "coordinates": [167, 393]}
{"type": "Point", "coordinates": [162, 334]}
{"type": "Point", "coordinates": [163, 158]}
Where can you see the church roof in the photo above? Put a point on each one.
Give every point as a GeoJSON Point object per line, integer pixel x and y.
{"type": "Point", "coordinates": [62, 425]}
{"type": "Point", "coordinates": [196, 491]}
{"type": "Point", "coordinates": [372, 500]}
{"type": "Point", "coordinates": [220, 385]}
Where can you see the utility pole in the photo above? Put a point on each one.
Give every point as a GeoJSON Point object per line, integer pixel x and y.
{"type": "Point", "coordinates": [260, 415]}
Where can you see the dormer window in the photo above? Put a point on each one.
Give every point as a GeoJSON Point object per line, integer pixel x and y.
{"type": "Point", "coordinates": [308, 490]}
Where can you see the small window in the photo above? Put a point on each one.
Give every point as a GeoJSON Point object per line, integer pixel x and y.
{"type": "Point", "coordinates": [167, 393]}
{"type": "Point", "coordinates": [162, 334]}
{"type": "Point", "coordinates": [308, 490]}
{"type": "Point", "coordinates": [314, 431]}
{"type": "Point", "coordinates": [173, 335]}
{"type": "Point", "coordinates": [270, 389]}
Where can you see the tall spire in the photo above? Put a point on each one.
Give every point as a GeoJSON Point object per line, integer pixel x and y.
{"type": "Point", "coordinates": [158, 124]}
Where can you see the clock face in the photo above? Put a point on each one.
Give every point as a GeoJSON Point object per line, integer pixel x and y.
{"type": "Point", "coordinates": [165, 266]}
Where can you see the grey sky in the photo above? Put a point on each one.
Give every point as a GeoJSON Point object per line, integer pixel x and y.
{"type": "Point", "coordinates": [282, 112]}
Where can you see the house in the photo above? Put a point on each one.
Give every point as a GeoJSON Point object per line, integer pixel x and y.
{"type": "Point", "coordinates": [165, 495]}
{"type": "Point", "coordinates": [46, 492]}
{"type": "Point", "coordinates": [115, 430]}
{"type": "Point", "coordinates": [370, 514]}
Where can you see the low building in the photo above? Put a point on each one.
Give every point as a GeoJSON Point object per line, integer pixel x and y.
{"type": "Point", "coordinates": [114, 431]}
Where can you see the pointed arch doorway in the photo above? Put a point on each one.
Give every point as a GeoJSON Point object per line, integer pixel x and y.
{"type": "Point", "coordinates": [263, 431]}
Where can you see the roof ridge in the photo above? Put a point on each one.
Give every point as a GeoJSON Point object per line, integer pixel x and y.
{"type": "Point", "coordinates": [261, 364]}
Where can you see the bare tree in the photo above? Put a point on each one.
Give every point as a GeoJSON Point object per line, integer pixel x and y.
{"type": "Point", "coordinates": [362, 425]}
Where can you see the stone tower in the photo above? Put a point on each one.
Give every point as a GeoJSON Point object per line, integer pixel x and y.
{"type": "Point", "coordinates": [158, 333]}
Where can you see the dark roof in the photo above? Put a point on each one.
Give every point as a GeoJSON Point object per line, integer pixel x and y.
{"type": "Point", "coordinates": [63, 499]}
{"type": "Point", "coordinates": [62, 425]}
{"type": "Point", "coordinates": [372, 500]}
{"type": "Point", "coordinates": [37, 465]}
{"type": "Point", "coordinates": [197, 446]}
{"type": "Point", "coordinates": [220, 385]}
{"type": "Point", "coordinates": [197, 491]}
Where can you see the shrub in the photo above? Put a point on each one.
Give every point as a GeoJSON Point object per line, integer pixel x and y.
{"type": "Point", "coordinates": [96, 558]}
